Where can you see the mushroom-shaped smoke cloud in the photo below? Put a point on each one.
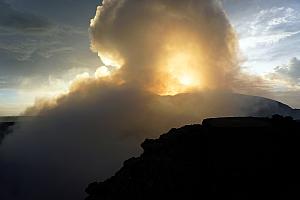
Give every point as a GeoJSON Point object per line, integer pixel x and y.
{"type": "Point", "coordinates": [166, 46]}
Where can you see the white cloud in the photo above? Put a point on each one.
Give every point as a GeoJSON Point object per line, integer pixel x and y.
{"type": "Point", "coordinates": [264, 40]}
{"type": "Point", "coordinates": [289, 72]}
{"type": "Point", "coordinates": [269, 27]}
{"type": "Point", "coordinates": [269, 35]}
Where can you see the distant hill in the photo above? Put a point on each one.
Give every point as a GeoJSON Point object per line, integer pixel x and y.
{"type": "Point", "coordinates": [224, 158]}
{"type": "Point", "coordinates": [218, 104]}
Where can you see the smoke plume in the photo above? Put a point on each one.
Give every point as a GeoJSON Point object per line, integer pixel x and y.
{"type": "Point", "coordinates": [161, 43]}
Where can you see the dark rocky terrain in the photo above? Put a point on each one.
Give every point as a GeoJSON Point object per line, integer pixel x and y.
{"type": "Point", "coordinates": [5, 128]}
{"type": "Point", "coordinates": [225, 158]}
{"type": "Point", "coordinates": [7, 124]}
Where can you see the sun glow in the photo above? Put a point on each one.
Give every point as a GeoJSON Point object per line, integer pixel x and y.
{"type": "Point", "coordinates": [179, 71]}
{"type": "Point", "coordinates": [186, 80]}
{"type": "Point", "coordinates": [182, 70]}
{"type": "Point", "coordinates": [101, 72]}
{"type": "Point", "coordinates": [179, 68]}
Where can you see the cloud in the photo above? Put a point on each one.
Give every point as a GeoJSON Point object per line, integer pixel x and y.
{"type": "Point", "coordinates": [34, 47]}
{"type": "Point", "coordinates": [270, 26]}
{"type": "Point", "coordinates": [166, 36]}
{"type": "Point", "coordinates": [11, 18]}
{"type": "Point", "coordinates": [56, 10]}
{"type": "Point", "coordinates": [289, 72]}
{"type": "Point", "coordinates": [37, 33]}
{"type": "Point", "coordinates": [25, 50]}
{"type": "Point", "coordinates": [43, 44]}
{"type": "Point", "coordinates": [57, 43]}
{"type": "Point", "coordinates": [39, 54]}
{"type": "Point", "coordinates": [28, 41]}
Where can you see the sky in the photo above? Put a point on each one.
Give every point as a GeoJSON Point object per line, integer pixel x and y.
{"type": "Point", "coordinates": [44, 44]}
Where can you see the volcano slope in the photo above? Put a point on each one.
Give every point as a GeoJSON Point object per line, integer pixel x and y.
{"type": "Point", "coordinates": [234, 158]}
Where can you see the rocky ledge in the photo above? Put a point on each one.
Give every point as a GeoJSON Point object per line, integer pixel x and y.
{"type": "Point", "coordinates": [5, 128]}
{"type": "Point", "coordinates": [225, 158]}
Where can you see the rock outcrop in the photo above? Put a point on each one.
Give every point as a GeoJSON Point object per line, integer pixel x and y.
{"type": "Point", "coordinates": [225, 158]}
{"type": "Point", "coordinates": [5, 128]}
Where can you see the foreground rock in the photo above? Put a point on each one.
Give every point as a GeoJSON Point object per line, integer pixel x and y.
{"type": "Point", "coordinates": [5, 128]}
{"type": "Point", "coordinates": [229, 158]}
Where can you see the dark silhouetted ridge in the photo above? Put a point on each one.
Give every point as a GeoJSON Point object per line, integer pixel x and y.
{"type": "Point", "coordinates": [5, 128]}
{"type": "Point", "coordinates": [7, 124]}
{"type": "Point", "coordinates": [225, 158]}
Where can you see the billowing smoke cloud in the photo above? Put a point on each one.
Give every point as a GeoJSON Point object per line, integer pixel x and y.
{"type": "Point", "coordinates": [150, 48]}
{"type": "Point", "coordinates": [161, 43]}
